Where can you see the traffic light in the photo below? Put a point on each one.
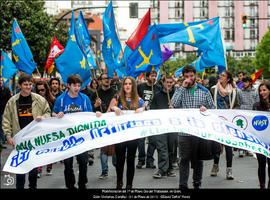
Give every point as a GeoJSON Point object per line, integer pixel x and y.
{"type": "Point", "coordinates": [244, 21]}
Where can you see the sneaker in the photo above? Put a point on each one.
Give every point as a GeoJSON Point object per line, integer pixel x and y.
{"type": "Point", "coordinates": [241, 153]}
{"type": "Point", "coordinates": [140, 165]}
{"type": "Point", "coordinates": [158, 174]}
{"type": "Point", "coordinates": [183, 187]}
{"type": "Point", "coordinates": [151, 166]}
{"type": "Point", "coordinates": [171, 173]}
{"type": "Point", "coordinates": [39, 175]}
{"type": "Point", "coordinates": [103, 176]}
{"type": "Point", "coordinates": [196, 185]}
{"type": "Point", "coordinates": [175, 165]}
{"type": "Point", "coordinates": [229, 175]}
{"type": "Point", "coordinates": [49, 173]}
{"type": "Point", "coordinates": [215, 169]}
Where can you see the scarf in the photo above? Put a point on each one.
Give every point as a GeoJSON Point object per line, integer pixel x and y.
{"type": "Point", "coordinates": [224, 91]}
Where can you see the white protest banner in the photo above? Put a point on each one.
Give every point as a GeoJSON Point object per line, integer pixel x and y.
{"type": "Point", "coordinates": [52, 140]}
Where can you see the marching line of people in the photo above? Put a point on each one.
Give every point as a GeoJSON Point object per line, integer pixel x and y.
{"type": "Point", "coordinates": [40, 99]}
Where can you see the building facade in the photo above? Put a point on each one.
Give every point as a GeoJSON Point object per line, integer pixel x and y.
{"type": "Point", "coordinates": [239, 42]}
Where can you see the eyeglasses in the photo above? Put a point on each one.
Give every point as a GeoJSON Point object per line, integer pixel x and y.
{"type": "Point", "coordinates": [106, 78]}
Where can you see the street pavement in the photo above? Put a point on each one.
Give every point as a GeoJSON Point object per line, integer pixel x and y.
{"type": "Point", "coordinates": [244, 171]}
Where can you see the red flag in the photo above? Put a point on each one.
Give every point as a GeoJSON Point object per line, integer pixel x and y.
{"type": "Point", "coordinates": [139, 32]}
{"type": "Point", "coordinates": [256, 75]}
{"type": "Point", "coordinates": [55, 50]}
{"type": "Point", "coordinates": [141, 77]}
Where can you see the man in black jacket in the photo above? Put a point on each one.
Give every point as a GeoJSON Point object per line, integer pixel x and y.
{"type": "Point", "coordinates": [165, 143]}
{"type": "Point", "coordinates": [147, 91]}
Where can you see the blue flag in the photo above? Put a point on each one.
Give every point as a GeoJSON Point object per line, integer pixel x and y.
{"type": "Point", "coordinates": [167, 29]}
{"type": "Point", "coordinates": [111, 45]}
{"type": "Point", "coordinates": [147, 56]}
{"type": "Point", "coordinates": [73, 61]}
{"type": "Point", "coordinates": [195, 64]}
{"type": "Point", "coordinates": [205, 35]}
{"type": "Point", "coordinates": [21, 51]}
{"type": "Point", "coordinates": [83, 39]}
{"type": "Point", "coordinates": [178, 72]}
{"type": "Point", "coordinates": [7, 67]}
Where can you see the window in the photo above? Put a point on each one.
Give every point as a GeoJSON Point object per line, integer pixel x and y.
{"type": "Point", "coordinates": [178, 13]}
{"type": "Point", "coordinates": [203, 12]}
{"type": "Point", "coordinates": [179, 4]}
{"type": "Point", "coordinates": [252, 23]}
{"type": "Point", "coordinates": [227, 35]}
{"type": "Point", "coordinates": [227, 23]}
{"type": "Point", "coordinates": [253, 11]}
{"type": "Point", "coordinates": [154, 3]}
{"type": "Point", "coordinates": [252, 45]}
{"type": "Point", "coordinates": [227, 12]}
{"type": "Point", "coordinates": [225, 3]}
{"type": "Point", "coordinates": [252, 34]}
{"type": "Point", "coordinates": [177, 46]}
{"type": "Point", "coordinates": [133, 10]}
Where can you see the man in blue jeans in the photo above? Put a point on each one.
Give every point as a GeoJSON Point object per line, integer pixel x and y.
{"type": "Point", "coordinates": [102, 98]}
{"type": "Point", "coordinates": [190, 95]}
{"type": "Point", "coordinates": [69, 102]}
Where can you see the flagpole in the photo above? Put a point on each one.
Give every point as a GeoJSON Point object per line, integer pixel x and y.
{"type": "Point", "coordinates": [98, 63]}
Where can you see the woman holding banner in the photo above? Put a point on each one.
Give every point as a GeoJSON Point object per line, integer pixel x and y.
{"type": "Point", "coordinates": [128, 100]}
{"type": "Point", "coordinates": [263, 105]}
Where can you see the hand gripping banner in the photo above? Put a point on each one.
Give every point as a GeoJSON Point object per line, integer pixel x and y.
{"type": "Point", "coordinates": [53, 139]}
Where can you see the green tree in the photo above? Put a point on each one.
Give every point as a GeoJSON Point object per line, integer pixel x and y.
{"type": "Point", "coordinates": [262, 59]}
{"type": "Point", "coordinates": [36, 25]}
{"type": "Point", "coordinates": [245, 64]}
{"type": "Point", "coordinates": [171, 66]}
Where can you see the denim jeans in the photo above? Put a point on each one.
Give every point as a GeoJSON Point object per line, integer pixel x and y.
{"type": "Point", "coordinates": [172, 148]}
{"type": "Point", "coordinates": [104, 162]}
{"type": "Point", "coordinates": [152, 146]}
{"type": "Point", "coordinates": [69, 172]}
{"type": "Point", "coordinates": [162, 151]}
{"type": "Point", "coordinates": [141, 150]}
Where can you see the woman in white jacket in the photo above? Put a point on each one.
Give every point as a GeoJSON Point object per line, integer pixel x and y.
{"type": "Point", "coordinates": [225, 97]}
